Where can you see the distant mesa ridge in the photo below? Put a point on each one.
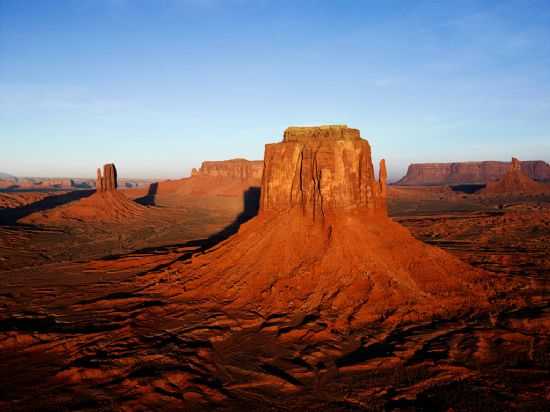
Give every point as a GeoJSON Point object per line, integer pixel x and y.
{"type": "Point", "coordinates": [233, 168]}
{"type": "Point", "coordinates": [8, 182]}
{"type": "Point", "coordinates": [7, 176]}
{"type": "Point", "coordinates": [419, 174]}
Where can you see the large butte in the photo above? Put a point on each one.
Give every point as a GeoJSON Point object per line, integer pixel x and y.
{"type": "Point", "coordinates": [323, 244]}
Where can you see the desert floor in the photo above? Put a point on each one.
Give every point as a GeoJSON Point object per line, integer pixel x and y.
{"type": "Point", "coordinates": [88, 321]}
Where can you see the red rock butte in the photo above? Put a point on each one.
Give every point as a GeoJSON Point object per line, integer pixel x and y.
{"type": "Point", "coordinates": [322, 242]}
{"type": "Point", "coordinates": [107, 182]}
{"type": "Point", "coordinates": [321, 169]}
{"type": "Point", "coordinates": [515, 182]}
{"type": "Point", "coordinates": [106, 205]}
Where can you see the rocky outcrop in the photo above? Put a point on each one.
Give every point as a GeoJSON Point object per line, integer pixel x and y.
{"type": "Point", "coordinates": [514, 182]}
{"type": "Point", "coordinates": [419, 174]}
{"type": "Point", "coordinates": [383, 178]}
{"type": "Point", "coordinates": [235, 168]}
{"type": "Point", "coordinates": [322, 244]}
{"type": "Point", "coordinates": [319, 169]}
{"type": "Point", "coordinates": [108, 182]}
{"type": "Point", "coordinates": [106, 206]}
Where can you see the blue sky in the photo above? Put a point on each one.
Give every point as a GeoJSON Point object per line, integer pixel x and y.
{"type": "Point", "coordinates": [157, 86]}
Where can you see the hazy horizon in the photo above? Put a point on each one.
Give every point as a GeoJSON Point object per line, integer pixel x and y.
{"type": "Point", "coordinates": [393, 176]}
{"type": "Point", "coordinates": [160, 86]}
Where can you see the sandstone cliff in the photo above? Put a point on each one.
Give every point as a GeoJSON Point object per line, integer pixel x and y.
{"type": "Point", "coordinates": [108, 182]}
{"type": "Point", "coordinates": [419, 174]}
{"type": "Point", "coordinates": [234, 168]}
{"type": "Point", "coordinates": [214, 179]}
{"type": "Point", "coordinates": [319, 169]}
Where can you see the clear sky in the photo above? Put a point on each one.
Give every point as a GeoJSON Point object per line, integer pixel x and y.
{"type": "Point", "coordinates": [157, 86]}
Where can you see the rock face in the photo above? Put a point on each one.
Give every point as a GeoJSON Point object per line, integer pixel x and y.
{"type": "Point", "coordinates": [419, 174]}
{"type": "Point", "coordinates": [383, 179]}
{"type": "Point", "coordinates": [322, 244]}
{"type": "Point", "coordinates": [514, 182]}
{"type": "Point", "coordinates": [319, 169]}
{"type": "Point", "coordinates": [109, 181]}
{"type": "Point", "coordinates": [235, 168]}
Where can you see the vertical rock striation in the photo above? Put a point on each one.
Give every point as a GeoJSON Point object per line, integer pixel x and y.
{"type": "Point", "coordinates": [383, 179]}
{"type": "Point", "coordinates": [319, 170]}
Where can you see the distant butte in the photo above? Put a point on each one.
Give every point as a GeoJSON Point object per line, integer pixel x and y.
{"type": "Point", "coordinates": [106, 205]}
{"type": "Point", "coordinates": [515, 182]}
{"type": "Point", "coordinates": [322, 242]}
{"type": "Point", "coordinates": [107, 182]}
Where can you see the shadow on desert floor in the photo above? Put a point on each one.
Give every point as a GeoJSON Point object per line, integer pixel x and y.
{"type": "Point", "coordinates": [149, 198]}
{"type": "Point", "coordinates": [251, 205]}
{"type": "Point", "coordinates": [11, 216]}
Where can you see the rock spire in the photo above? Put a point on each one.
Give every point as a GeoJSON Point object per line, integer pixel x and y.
{"type": "Point", "coordinates": [383, 179]}
{"type": "Point", "coordinates": [108, 181]}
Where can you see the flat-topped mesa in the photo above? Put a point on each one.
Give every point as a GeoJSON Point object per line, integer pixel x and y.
{"type": "Point", "coordinates": [420, 174]}
{"type": "Point", "coordinates": [234, 168]}
{"type": "Point", "coordinates": [320, 169]}
{"type": "Point", "coordinates": [108, 182]}
{"type": "Point", "coordinates": [331, 132]}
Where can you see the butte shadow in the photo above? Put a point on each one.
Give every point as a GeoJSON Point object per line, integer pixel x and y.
{"type": "Point", "coordinates": [322, 243]}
